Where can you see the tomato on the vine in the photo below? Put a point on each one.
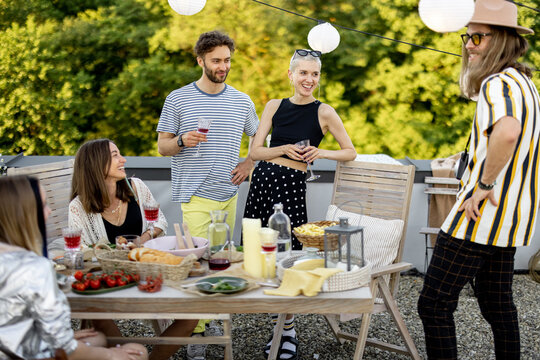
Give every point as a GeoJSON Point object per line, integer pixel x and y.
{"type": "Point", "coordinates": [78, 275]}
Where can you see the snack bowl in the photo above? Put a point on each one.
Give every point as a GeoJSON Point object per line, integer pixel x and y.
{"type": "Point", "coordinates": [169, 244]}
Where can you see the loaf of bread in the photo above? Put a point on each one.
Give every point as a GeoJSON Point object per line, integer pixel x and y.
{"type": "Point", "coordinates": [154, 256]}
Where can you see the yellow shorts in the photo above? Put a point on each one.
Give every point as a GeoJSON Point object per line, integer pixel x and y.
{"type": "Point", "coordinates": [196, 213]}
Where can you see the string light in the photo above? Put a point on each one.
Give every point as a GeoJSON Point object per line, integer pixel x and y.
{"type": "Point", "coordinates": [446, 15]}
{"type": "Point", "coordinates": [187, 7]}
{"type": "Point", "coordinates": [324, 38]}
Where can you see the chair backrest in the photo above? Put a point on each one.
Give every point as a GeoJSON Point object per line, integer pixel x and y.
{"type": "Point", "coordinates": [56, 180]}
{"type": "Point", "coordinates": [377, 190]}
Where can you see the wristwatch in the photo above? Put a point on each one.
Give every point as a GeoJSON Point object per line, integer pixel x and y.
{"type": "Point", "coordinates": [179, 141]}
{"type": "Point", "coordinates": [483, 186]}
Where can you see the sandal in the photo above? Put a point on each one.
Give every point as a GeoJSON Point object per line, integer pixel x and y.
{"type": "Point", "coordinates": [284, 339]}
{"type": "Point", "coordinates": [293, 353]}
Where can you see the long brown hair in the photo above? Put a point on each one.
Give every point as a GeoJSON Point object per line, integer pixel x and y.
{"type": "Point", "coordinates": [19, 214]}
{"type": "Point", "coordinates": [90, 170]}
{"type": "Point", "coordinates": [506, 46]}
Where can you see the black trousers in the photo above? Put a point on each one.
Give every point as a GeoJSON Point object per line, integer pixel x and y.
{"type": "Point", "coordinates": [454, 263]}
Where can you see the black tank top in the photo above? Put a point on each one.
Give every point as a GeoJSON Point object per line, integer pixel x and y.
{"type": "Point", "coordinates": [131, 226]}
{"type": "Point", "coordinates": [293, 123]}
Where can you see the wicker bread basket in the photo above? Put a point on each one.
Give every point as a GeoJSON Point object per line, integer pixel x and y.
{"type": "Point", "coordinates": [318, 240]}
{"type": "Point", "coordinates": [118, 259]}
{"type": "Point", "coordinates": [342, 281]}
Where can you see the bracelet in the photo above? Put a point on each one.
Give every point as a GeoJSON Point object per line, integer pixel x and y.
{"type": "Point", "coordinates": [483, 186]}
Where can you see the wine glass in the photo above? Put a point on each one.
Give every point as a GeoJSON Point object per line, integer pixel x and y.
{"type": "Point", "coordinates": [302, 145]}
{"type": "Point", "coordinates": [151, 213]}
{"type": "Point", "coordinates": [202, 128]}
{"type": "Point", "coordinates": [268, 249]}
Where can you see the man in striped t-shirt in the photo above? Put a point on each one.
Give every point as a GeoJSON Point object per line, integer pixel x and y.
{"type": "Point", "coordinates": [497, 204]}
{"type": "Point", "coordinates": [209, 181]}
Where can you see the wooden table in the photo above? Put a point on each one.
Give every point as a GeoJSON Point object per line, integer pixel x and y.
{"type": "Point", "coordinates": [175, 304]}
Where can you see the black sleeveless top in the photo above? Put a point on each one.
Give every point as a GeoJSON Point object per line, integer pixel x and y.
{"type": "Point", "coordinates": [131, 226]}
{"type": "Point", "coordinates": [293, 123]}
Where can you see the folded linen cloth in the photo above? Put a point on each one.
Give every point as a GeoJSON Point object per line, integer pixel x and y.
{"type": "Point", "coordinates": [307, 282]}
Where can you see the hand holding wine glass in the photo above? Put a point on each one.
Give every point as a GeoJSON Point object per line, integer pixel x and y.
{"type": "Point", "coordinates": [302, 145]}
{"type": "Point", "coordinates": [151, 213]}
{"type": "Point", "coordinates": [203, 126]}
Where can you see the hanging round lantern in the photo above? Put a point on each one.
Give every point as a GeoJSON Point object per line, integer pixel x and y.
{"type": "Point", "coordinates": [446, 15]}
{"type": "Point", "coordinates": [187, 7]}
{"type": "Point", "coordinates": [324, 38]}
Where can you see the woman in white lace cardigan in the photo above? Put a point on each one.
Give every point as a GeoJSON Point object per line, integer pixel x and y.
{"type": "Point", "coordinates": [104, 202]}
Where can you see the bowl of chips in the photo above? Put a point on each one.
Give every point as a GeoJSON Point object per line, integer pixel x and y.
{"type": "Point", "coordinates": [312, 235]}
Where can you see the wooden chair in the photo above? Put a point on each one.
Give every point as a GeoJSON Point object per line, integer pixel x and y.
{"type": "Point", "coordinates": [56, 180]}
{"type": "Point", "coordinates": [438, 188]}
{"type": "Point", "coordinates": [383, 191]}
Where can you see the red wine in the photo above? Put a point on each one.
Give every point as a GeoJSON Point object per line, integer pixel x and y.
{"type": "Point", "coordinates": [269, 247]}
{"type": "Point", "coordinates": [218, 264]}
{"type": "Point", "coordinates": [72, 241]}
{"type": "Point", "coordinates": [151, 214]}
{"type": "Point", "coordinates": [202, 131]}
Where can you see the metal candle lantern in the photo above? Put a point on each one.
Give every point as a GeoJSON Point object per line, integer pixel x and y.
{"type": "Point", "coordinates": [346, 230]}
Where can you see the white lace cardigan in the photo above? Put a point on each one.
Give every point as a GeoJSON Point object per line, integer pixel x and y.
{"type": "Point", "coordinates": [92, 225]}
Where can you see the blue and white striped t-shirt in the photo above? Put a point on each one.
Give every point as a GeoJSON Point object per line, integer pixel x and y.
{"type": "Point", "coordinates": [209, 176]}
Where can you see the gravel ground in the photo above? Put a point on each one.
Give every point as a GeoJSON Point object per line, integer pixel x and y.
{"type": "Point", "coordinates": [475, 340]}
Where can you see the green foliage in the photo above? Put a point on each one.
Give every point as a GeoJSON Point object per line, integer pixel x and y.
{"type": "Point", "coordinates": [76, 70]}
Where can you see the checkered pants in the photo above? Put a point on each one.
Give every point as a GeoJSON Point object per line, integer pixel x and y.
{"type": "Point", "coordinates": [454, 263]}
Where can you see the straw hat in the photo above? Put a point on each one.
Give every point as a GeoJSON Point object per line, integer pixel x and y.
{"type": "Point", "coordinates": [499, 13]}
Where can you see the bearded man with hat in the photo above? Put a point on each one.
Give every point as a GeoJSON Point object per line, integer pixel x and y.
{"type": "Point", "coordinates": [496, 207]}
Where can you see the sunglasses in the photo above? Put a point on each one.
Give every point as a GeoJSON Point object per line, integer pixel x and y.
{"type": "Point", "coordinates": [303, 52]}
{"type": "Point", "coordinates": [476, 38]}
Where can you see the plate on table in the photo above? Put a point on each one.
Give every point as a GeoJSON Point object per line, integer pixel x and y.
{"type": "Point", "coordinates": [221, 285]}
{"type": "Point", "coordinates": [104, 290]}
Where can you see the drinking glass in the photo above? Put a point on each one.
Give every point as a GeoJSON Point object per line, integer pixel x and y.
{"type": "Point", "coordinates": [302, 145]}
{"type": "Point", "coordinates": [72, 238]}
{"type": "Point", "coordinates": [151, 212]}
{"type": "Point", "coordinates": [202, 128]}
{"type": "Point", "coordinates": [268, 249]}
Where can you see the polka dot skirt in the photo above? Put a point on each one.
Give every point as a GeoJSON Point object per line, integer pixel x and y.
{"type": "Point", "coordinates": [272, 184]}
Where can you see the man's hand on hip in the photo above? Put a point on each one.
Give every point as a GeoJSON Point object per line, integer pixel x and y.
{"type": "Point", "coordinates": [241, 171]}
{"type": "Point", "coordinates": [470, 206]}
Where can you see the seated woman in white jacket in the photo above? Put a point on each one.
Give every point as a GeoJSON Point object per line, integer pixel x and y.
{"type": "Point", "coordinates": [34, 313]}
{"type": "Point", "coordinates": [104, 202]}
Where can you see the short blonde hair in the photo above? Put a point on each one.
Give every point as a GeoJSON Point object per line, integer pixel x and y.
{"type": "Point", "coordinates": [295, 59]}
{"type": "Point", "coordinates": [18, 214]}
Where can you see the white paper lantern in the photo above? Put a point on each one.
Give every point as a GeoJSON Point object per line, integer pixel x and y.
{"type": "Point", "coordinates": [187, 7]}
{"type": "Point", "coordinates": [324, 38]}
{"type": "Point", "coordinates": [446, 15]}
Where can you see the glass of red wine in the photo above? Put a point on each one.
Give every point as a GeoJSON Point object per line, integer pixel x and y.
{"type": "Point", "coordinates": [268, 249]}
{"type": "Point", "coordinates": [203, 126]}
{"type": "Point", "coordinates": [72, 238]}
{"type": "Point", "coordinates": [151, 213]}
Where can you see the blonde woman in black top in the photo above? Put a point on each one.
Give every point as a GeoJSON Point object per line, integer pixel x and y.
{"type": "Point", "coordinates": [281, 175]}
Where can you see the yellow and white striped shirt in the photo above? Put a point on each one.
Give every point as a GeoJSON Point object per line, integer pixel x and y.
{"type": "Point", "coordinates": [512, 221]}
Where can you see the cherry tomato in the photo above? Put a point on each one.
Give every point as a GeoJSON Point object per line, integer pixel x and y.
{"type": "Point", "coordinates": [110, 281]}
{"type": "Point", "coordinates": [78, 285]}
{"type": "Point", "coordinates": [121, 281]}
{"type": "Point", "coordinates": [78, 275]}
{"type": "Point", "coordinates": [86, 283]}
{"type": "Point", "coordinates": [89, 276]}
{"type": "Point", "coordinates": [95, 283]}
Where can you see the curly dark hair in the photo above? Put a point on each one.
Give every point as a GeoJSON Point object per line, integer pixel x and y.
{"type": "Point", "coordinates": [210, 40]}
